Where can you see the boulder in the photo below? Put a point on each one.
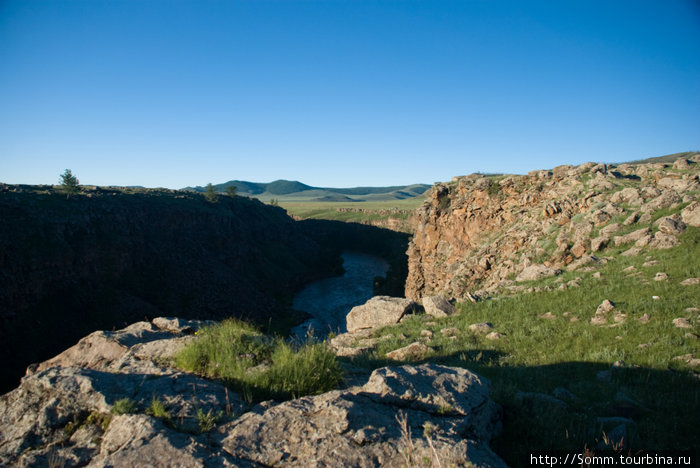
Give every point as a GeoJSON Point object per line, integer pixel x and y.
{"type": "Point", "coordinates": [378, 312]}
{"type": "Point", "coordinates": [601, 313]}
{"type": "Point", "coordinates": [534, 272]}
{"type": "Point", "coordinates": [691, 214]}
{"type": "Point", "coordinates": [632, 236]}
{"type": "Point", "coordinates": [364, 426]}
{"type": "Point", "coordinates": [670, 225]}
{"type": "Point", "coordinates": [438, 306]}
{"type": "Point", "coordinates": [412, 352]}
{"type": "Point", "coordinates": [481, 328]}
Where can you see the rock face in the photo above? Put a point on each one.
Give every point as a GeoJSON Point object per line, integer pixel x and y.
{"type": "Point", "coordinates": [378, 311]}
{"type": "Point", "coordinates": [438, 306]}
{"type": "Point", "coordinates": [108, 257]}
{"type": "Point", "coordinates": [477, 234]}
{"type": "Point", "coordinates": [62, 413]}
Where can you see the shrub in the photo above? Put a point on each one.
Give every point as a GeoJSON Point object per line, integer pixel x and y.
{"type": "Point", "coordinates": [124, 406]}
{"type": "Point", "coordinates": [258, 366]}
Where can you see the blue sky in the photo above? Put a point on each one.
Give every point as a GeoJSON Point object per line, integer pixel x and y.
{"type": "Point", "coordinates": [340, 93]}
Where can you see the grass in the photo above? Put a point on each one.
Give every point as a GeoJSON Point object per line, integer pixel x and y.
{"type": "Point", "coordinates": [157, 409]}
{"type": "Point", "coordinates": [356, 212]}
{"type": "Point", "coordinates": [124, 406]}
{"type": "Point", "coordinates": [258, 366]}
{"type": "Point", "coordinates": [538, 355]}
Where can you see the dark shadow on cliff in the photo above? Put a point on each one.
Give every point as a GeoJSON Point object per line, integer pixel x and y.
{"type": "Point", "coordinates": [569, 406]}
{"type": "Point", "coordinates": [389, 245]}
{"type": "Point", "coordinates": [110, 257]}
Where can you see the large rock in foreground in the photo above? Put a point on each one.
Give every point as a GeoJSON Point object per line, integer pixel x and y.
{"type": "Point", "coordinates": [61, 415]}
{"type": "Point", "coordinates": [361, 426]}
{"type": "Point", "coordinates": [378, 312]}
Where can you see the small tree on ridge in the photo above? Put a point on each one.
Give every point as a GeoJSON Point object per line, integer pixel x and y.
{"type": "Point", "coordinates": [210, 193]}
{"type": "Point", "coordinates": [69, 183]}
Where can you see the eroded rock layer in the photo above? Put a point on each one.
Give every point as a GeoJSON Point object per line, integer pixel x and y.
{"type": "Point", "coordinates": [479, 234]}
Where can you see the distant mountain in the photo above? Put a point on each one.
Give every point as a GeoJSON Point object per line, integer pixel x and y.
{"type": "Point", "coordinates": [292, 190]}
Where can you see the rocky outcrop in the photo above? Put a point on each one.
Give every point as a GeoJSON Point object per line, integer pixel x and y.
{"type": "Point", "coordinates": [66, 413]}
{"type": "Point", "coordinates": [378, 311]}
{"type": "Point", "coordinates": [108, 257]}
{"type": "Point", "coordinates": [479, 234]}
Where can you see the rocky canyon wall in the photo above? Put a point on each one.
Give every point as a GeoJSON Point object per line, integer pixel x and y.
{"type": "Point", "coordinates": [109, 257]}
{"type": "Point", "coordinates": [478, 234]}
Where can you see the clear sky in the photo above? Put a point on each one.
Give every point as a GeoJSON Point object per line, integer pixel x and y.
{"type": "Point", "coordinates": [340, 93]}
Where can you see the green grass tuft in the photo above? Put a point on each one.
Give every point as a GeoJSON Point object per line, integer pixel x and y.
{"type": "Point", "coordinates": [258, 366]}
{"type": "Point", "coordinates": [124, 406]}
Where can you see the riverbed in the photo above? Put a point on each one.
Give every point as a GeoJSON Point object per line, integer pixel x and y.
{"type": "Point", "coordinates": [329, 300]}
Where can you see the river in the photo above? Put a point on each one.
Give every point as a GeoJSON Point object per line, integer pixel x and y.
{"type": "Point", "coordinates": [329, 300]}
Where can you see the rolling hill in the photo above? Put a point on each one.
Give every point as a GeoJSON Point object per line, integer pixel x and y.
{"type": "Point", "coordinates": [290, 190]}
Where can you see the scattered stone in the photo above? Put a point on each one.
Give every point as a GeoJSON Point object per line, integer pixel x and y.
{"type": "Point", "coordinates": [656, 298]}
{"type": "Point", "coordinates": [632, 236]}
{"type": "Point", "coordinates": [644, 319]}
{"type": "Point", "coordinates": [690, 281]}
{"type": "Point", "coordinates": [451, 331]}
{"type": "Point", "coordinates": [438, 306]}
{"type": "Point", "coordinates": [540, 398]}
{"type": "Point", "coordinates": [629, 269]}
{"type": "Point", "coordinates": [494, 336]}
{"type": "Point", "coordinates": [599, 243]}
{"type": "Point", "coordinates": [597, 275]}
{"type": "Point", "coordinates": [564, 394]}
{"type": "Point", "coordinates": [691, 336]}
{"type": "Point", "coordinates": [578, 249]}
{"type": "Point", "coordinates": [650, 263]}
{"type": "Point", "coordinates": [689, 359]}
{"type": "Point", "coordinates": [631, 219]}
{"type": "Point", "coordinates": [691, 214]}
{"type": "Point", "coordinates": [378, 311]}
{"type": "Point", "coordinates": [670, 225]}
{"type": "Point", "coordinates": [644, 241]}
{"type": "Point", "coordinates": [601, 313]}
{"type": "Point", "coordinates": [682, 164]}
{"type": "Point", "coordinates": [660, 276]}
{"type": "Point", "coordinates": [664, 241]}
{"type": "Point", "coordinates": [480, 328]}
{"type": "Point", "coordinates": [535, 272]}
{"type": "Point", "coordinates": [548, 316]}
{"type": "Point", "coordinates": [682, 322]}
{"type": "Point", "coordinates": [619, 317]}
{"type": "Point", "coordinates": [692, 309]}
{"type": "Point", "coordinates": [631, 252]}
{"type": "Point", "coordinates": [644, 345]}
{"type": "Point", "coordinates": [412, 352]}
{"type": "Point", "coordinates": [426, 334]}
{"type": "Point", "coordinates": [610, 229]}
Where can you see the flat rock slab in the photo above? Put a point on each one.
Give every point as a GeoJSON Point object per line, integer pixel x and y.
{"type": "Point", "coordinates": [353, 427]}
{"type": "Point", "coordinates": [358, 427]}
{"type": "Point", "coordinates": [378, 312]}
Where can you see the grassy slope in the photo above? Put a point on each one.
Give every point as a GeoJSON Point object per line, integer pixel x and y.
{"type": "Point", "coordinates": [540, 354]}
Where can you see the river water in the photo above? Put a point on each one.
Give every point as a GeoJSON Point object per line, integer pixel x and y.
{"type": "Point", "coordinates": [329, 300]}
